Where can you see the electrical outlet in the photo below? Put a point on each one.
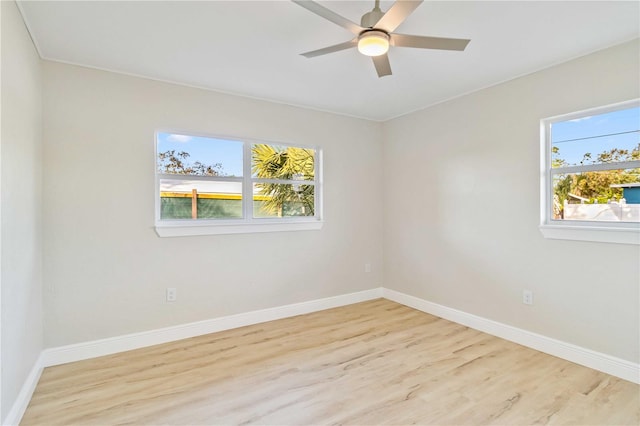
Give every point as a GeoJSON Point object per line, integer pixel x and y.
{"type": "Point", "coordinates": [527, 297]}
{"type": "Point", "coordinates": [367, 267]}
{"type": "Point", "coordinates": [172, 294]}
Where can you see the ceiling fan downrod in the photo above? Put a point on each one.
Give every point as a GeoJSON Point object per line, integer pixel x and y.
{"type": "Point", "coordinates": [369, 19]}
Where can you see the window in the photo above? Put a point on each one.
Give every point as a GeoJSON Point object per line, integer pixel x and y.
{"type": "Point", "coordinates": [210, 185]}
{"type": "Point", "coordinates": [590, 186]}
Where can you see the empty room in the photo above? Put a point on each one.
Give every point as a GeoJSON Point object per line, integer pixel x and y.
{"type": "Point", "coordinates": [320, 212]}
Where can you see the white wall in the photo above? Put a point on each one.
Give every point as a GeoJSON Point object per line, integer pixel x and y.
{"type": "Point", "coordinates": [21, 207]}
{"type": "Point", "coordinates": [483, 148]}
{"type": "Point", "coordinates": [106, 270]}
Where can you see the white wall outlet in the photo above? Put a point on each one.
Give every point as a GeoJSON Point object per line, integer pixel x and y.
{"type": "Point", "coordinates": [527, 297]}
{"type": "Point", "coordinates": [172, 294]}
{"type": "Point", "coordinates": [367, 267]}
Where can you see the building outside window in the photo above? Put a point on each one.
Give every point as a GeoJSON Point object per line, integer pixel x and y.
{"type": "Point", "coordinates": [591, 173]}
{"type": "Point", "coordinates": [209, 185]}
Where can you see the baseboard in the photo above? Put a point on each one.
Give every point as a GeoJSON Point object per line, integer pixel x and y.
{"type": "Point", "coordinates": [22, 401]}
{"type": "Point", "coordinates": [101, 347]}
{"type": "Point", "coordinates": [61, 355]}
{"type": "Point", "coordinates": [598, 361]}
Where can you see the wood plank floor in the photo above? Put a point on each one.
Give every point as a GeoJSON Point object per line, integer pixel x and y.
{"type": "Point", "coordinates": [375, 362]}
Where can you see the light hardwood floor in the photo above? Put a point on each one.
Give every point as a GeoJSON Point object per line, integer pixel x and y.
{"type": "Point", "coordinates": [375, 362]}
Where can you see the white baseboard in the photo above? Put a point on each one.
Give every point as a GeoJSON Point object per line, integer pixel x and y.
{"type": "Point", "coordinates": [22, 401]}
{"type": "Point", "coordinates": [61, 355]}
{"type": "Point", "coordinates": [101, 347]}
{"type": "Point", "coordinates": [598, 361]}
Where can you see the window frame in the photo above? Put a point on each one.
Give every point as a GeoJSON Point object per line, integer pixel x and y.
{"type": "Point", "coordinates": [596, 231]}
{"type": "Point", "coordinates": [248, 223]}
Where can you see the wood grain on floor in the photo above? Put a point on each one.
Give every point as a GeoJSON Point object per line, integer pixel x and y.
{"type": "Point", "coordinates": [375, 362]}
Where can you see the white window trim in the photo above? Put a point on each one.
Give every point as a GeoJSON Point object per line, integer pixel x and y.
{"type": "Point", "coordinates": [606, 232]}
{"type": "Point", "coordinates": [190, 230]}
{"type": "Point", "coordinates": [248, 224]}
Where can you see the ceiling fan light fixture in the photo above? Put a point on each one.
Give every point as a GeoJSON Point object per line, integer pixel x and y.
{"type": "Point", "coordinates": [373, 43]}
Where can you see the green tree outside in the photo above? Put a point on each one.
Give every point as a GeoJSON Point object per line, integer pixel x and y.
{"type": "Point", "coordinates": [267, 162]}
{"type": "Point", "coordinates": [595, 187]}
{"type": "Point", "coordinates": [176, 163]}
{"type": "Point", "coordinates": [285, 163]}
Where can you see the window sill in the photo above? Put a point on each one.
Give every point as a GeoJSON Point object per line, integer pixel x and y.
{"type": "Point", "coordinates": [196, 229]}
{"type": "Point", "coordinates": [600, 234]}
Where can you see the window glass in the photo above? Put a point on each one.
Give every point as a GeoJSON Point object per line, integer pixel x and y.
{"type": "Point", "coordinates": [600, 138]}
{"type": "Point", "coordinates": [200, 181]}
{"type": "Point", "coordinates": [282, 162]}
{"type": "Point", "coordinates": [283, 180]}
{"type": "Point", "coordinates": [283, 200]}
{"type": "Point", "coordinates": [196, 155]}
{"type": "Point", "coordinates": [593, 169]}
{"type": "Point", "coordinates": [609, 196]}
{"type": "Point", "coordinates": [214, 199]}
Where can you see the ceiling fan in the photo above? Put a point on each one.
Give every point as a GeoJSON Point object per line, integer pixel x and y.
{"type": "Point", "coordinates": [375, 33]}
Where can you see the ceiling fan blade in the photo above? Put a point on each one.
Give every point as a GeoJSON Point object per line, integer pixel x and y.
{"type": "Point", "coordinates": [423, 42]}
{"type": "Point", "coordinates": [383, 67]}
{"type": "Point", "coordinates": [329, 15]}
{"type": "Point", "coordinates": [397, 14]}
{"type": "Point", "coordinates": [331, 49]}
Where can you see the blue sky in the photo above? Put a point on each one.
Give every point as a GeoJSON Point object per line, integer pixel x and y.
{"type": "Point", "coordinates": [566, 135]}
{"type": "Point", "coordinates": [227, 152]}
{"type": "Point", "coordinates": [563, 134]}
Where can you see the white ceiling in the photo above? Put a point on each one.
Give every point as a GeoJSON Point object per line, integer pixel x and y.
{"type": "Point", "coordinates": [252, 48]}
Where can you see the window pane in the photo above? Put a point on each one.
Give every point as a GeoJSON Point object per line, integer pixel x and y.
{"type": "Point", "coordinates": [214, 200]}
{"type": "Point", "coordinates": [195, 155]}
{"type": "Point", "coordinates": [283, 200]}
{"type": "Point", "coordinates": [601, 138]}
{"type": "Point", "coordinates": [282, 162]}
{"type": "Point", "coordinates": [604, 196]}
